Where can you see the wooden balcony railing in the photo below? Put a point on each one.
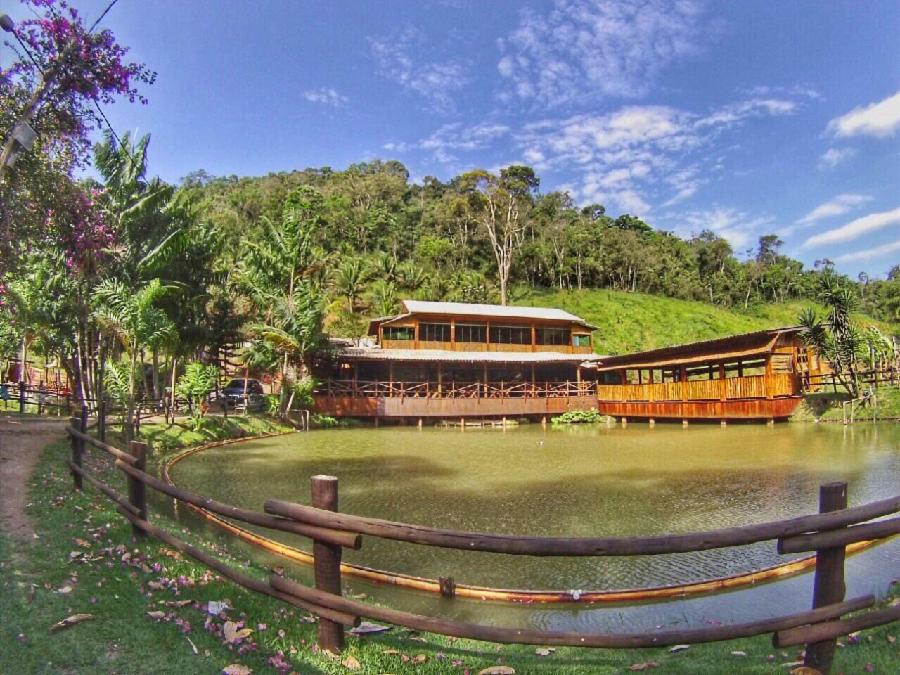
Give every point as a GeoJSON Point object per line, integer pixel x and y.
{"type": "Point", "coordinates": [454, 389]}
{"type": "Point", "coordinates": [754, 386]}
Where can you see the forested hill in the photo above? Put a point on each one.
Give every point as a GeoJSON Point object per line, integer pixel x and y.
{"type": "Point", "coordinates": [631, 322]}
{"type": "Point", "coordinates": [378, 238]}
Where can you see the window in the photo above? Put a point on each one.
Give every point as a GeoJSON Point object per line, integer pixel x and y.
{"type": "Point", "coordinates": [398, 333]}
{"type": "Point", "coordinates": [581, 340]}
{"type": "Point", "coordinates": [434, 332]}
{"type": "Point", "coordinates": [511, 335]}
{"type": "Point", "coordinates": [552, 336]}
{"type": "Point", "coordinates": [471, 332]}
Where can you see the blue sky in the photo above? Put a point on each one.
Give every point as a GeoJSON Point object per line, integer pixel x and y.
{"type": "Point", "coordinates": [747, 118]}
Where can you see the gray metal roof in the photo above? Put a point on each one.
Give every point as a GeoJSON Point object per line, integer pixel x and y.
{"type": "Point", "coordinates": [507, 311]}
{"type": "Point", "coordinates": [378, 354]}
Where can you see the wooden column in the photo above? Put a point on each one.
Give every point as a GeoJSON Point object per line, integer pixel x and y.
{"type": "Point", "coordinates": [137, 491]}
{"type": "Point", "coordinates": [828, 587]}
{"type": "Point", "coordinates": [440, 374]}
{"type": "Point", "coordinates": [453, 335]}
{"type": "Point", "coordinates": [533, 338]}
{"type": "Point", "coordinates": [327, 562]}
{"type": "Point", "coordinates": [768, 377]}
{"type": "Point", "coordinates": [390, 378]}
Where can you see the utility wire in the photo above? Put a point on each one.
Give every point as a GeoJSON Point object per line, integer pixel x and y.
{"type": "Point", "coordinates": [103, 14]}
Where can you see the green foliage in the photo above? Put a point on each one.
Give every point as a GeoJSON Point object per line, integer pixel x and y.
{"type": "Point", "coordinates": [578, 417]}
{"type": "Point", "coordinates": [198, 381]}
{"type": "Point", "coordinates": [325, 421]}
{"type": "Point", "coordinates": [118, 382]}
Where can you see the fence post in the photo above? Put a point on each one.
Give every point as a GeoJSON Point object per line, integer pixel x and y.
{"type": "Point", "coordinates": [22, 396]}
{"type": "Point", "coordinates": [828, 587]}
{"type": "Point", "coordinates": [327, 562]}
{"type": "Point", "coordinates": [101, 418]}
{"type": "Point", "coordinates": [137, 491]}
{"type": "Point", "coordinates": [77, 453]}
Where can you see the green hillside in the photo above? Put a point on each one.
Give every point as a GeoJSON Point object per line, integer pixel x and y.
{"type": "Point", "coordinates": [630, 322]}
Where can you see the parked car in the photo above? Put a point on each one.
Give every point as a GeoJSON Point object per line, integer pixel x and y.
{"type": "Point", "coordinates": [233, 393]}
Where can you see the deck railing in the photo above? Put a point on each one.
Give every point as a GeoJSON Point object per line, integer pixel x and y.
{"type": "Point", "coordinates": [454, 389]}
{"type": "Point", "coordinates": [732, 388]}
{"type": "Point", "coordinates": [827, 533]}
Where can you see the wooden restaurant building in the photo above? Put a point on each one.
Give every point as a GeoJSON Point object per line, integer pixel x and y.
{"type": "Point", "coordinates": [457, 361]}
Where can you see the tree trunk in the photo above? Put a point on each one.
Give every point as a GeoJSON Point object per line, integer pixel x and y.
{"type": "Point", "coordinates": [156, 394]}
{"type": "Point", "coordinates": [132, 394]}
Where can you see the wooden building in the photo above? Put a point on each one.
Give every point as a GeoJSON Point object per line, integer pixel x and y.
{"type": "Point", "coordinates": [760, 375]}
{"type": "Point", "coordinates": [444, 360]}
{"type": "Point", "coordinates": [454, 360]}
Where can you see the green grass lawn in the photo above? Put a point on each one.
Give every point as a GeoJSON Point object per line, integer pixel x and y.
{"type": "Point", "coordinates": [630, 322]}
{"type": "Point", "coordinates": [84, 561]}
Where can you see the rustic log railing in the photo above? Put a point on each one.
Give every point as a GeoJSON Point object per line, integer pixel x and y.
{"type": "Point", "coordinates": [454, 389]}
{"type": "Point", "coordinates": [826, 533]}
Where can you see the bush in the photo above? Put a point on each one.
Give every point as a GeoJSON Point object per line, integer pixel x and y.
{"type": "Point", "coordinates": [578, 417]}
{"type": "Point", "coordinates": [195, 385]}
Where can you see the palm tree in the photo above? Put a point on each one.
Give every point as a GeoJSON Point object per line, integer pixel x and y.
{"type": "Point", "coordinates": [294, 332]}
{"type": "Point", "coordinates": [136, 321]}
{"type": "Point", "coordinates": [143, 211]}
{"type": "Point", "coordinates": [835, 338]}
{"type": "Point", "coordinates": [349, 279]}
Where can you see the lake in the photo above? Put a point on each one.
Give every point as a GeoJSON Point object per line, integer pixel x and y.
{"type": "Point", "coordinates": [577, 481]}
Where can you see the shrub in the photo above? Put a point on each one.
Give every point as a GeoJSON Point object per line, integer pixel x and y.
{"type": "Point", "coordinates": [578, 417]}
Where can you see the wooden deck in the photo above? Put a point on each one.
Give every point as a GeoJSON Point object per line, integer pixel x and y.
{"type": "Point", "coordinates": [775, 396]}
{"type": "Point", "coordinates": [342, 398]}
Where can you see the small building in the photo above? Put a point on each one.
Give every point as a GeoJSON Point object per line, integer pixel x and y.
{"type": "Point", "coordinates": [451, 360]}
{"type": "Point", "coordinates": [759, 375]}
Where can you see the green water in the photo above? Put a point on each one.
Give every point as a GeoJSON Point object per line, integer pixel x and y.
{"type": "Point", "coordinates": [577, 481]}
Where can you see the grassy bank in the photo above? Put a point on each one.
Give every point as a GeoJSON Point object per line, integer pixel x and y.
{"type": "Point", "coordinates": [630, 322]}
{"type": "Point", "coordinates": [148, 610]}
{"type": "Point", "coordinates": [826, 407]}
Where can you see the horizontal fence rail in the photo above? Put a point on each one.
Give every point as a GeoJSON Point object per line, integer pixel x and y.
{"type": "Point", "coordinates": [585, 546]}
{"type": "Point", "coordinates": [827, 533]}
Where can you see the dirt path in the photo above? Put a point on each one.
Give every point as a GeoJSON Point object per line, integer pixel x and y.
{"type": "Point", "coordinates": [21, 442]}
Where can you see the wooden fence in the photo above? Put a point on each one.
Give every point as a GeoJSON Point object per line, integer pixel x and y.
{"type": "Point", "coordinates": [827, 533]}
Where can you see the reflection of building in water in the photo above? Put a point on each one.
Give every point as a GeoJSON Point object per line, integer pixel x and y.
{"type": "Point", "coordinates": [444, 360]}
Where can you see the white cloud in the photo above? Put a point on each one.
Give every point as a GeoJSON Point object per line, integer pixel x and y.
{"type": "Point", "coordinates": [587, 49]}
{"type": "Point", "coordinates": [436, 82]}
{"type": "Point", "coordinates": [834, 156]}
{"type": "Point", "coordinates": [869, 253]}
{"type": "Point", "coordinates": [878, 119]}
{"type": "Point", "coordinates": [794, 91]}
{"type": "Point", "coordinates": [452, 137]}
{"type": "Point", "coordinates": [639, 152]}
{"type": "Point", "coordinates": [326, 96]}
{"type": "Point", "coordinates": [739, 228]}
{"type": "Point", "coordinates": [833, 207]}
{"type": "Point", "coordinates": [741, 110]}
{"type": "Point", "coordinates": [856, 228]}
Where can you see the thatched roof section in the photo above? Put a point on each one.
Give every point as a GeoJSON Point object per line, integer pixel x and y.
{"type": "Point", "coordinates": [746, 345]}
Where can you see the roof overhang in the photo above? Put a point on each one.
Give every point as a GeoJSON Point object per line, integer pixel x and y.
{"type": "Point", "coordinates": [444, 356]}
{"type": "Point", "coordinates": [743, 346]}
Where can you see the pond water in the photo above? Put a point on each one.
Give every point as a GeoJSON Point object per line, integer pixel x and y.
{"type": "Point", "coordinates": [579, 481]}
